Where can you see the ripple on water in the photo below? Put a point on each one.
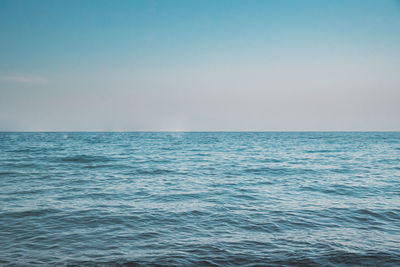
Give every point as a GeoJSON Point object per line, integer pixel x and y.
{"type": "Point", "coordinates": [189, 199]}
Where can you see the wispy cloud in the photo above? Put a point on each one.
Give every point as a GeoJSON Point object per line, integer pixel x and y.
{"type": "Point", "coordinates": [23, 78]}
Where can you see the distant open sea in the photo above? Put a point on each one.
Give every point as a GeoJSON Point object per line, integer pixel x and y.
{"type": "Point", "coordinates": [190, 199]}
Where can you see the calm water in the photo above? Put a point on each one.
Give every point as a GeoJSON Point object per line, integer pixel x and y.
{"type": "Point", "coordinates": [276, 199]}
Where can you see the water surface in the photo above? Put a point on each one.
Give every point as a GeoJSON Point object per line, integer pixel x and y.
{"type": "Point", "coordinates": [228, 199]}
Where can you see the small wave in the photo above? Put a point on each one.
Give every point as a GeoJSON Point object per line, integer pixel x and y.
{"type": "Point", "coordinates": [30, 213]}
{"type": "Point", "coordinates": [25, 150]}
{"type": "Point", "coordinates": [343, 170]}
{"type": "Point", "coordinates": [278, 171]}
{"type": "Point", "coordinates": [8, 173]}
{"type": "Point", "coordinates": [337, 189]}
{"type": "Point", "coordinates": [178, 197]}
{"type": "Point", "coordinates": [110, 166]}
{"type": "Point", "coordinates": [378, 258]}
{"type": "Point", "coordinates": [153, 171]}
{"type": "Point", "coordinates": [270, 160]}
{"type": "Point", "coordinates": [84, 159]}
{"type": "Point", "coordinates": [321, 151]}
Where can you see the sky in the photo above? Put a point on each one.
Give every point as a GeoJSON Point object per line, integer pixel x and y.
{"type": "Point", "coordinates": [217, 65]}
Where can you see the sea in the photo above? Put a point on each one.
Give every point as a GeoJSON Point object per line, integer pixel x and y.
{"type": "Point", "coordinates": [200, 199]}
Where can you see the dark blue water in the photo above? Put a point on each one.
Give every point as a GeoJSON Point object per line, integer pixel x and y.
{"type": "Point", "coordinates": [228, 199]}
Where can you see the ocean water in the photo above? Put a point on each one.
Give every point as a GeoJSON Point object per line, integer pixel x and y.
{"type": "Point", "coordinates": [190, 199]}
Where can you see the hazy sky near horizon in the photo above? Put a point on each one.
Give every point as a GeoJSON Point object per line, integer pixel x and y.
{"type": "Point", "coordinates": [199, 65]}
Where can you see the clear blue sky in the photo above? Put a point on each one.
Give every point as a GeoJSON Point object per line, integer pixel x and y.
{"type": "Point", "coordinates": [200, 65]}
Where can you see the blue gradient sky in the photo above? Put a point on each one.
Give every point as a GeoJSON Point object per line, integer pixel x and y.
{"type": "Point", "coordinates": [199, 65]}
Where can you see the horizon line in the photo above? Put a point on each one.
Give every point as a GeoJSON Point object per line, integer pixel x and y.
{"type": "Point", "coordinates": [219, 131]}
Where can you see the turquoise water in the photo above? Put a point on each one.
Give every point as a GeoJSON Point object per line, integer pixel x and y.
{"type": "Point", "coordinates": [228, 199]}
